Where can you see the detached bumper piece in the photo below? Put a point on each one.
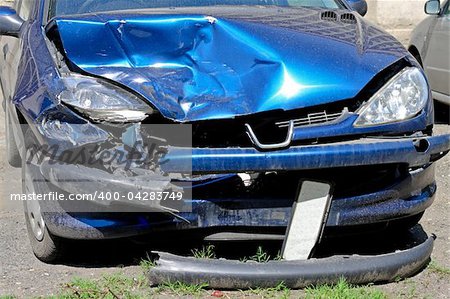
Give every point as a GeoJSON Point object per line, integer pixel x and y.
{"type": "Point", "coordinates": [227, 274]}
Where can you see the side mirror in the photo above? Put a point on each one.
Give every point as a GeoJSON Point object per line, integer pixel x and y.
{"type": "Point", "coordinates": [433, 7]}
{"type": "Point", "coordinates": [10, 22]}
{"type": "Point", "coordinates": [359, 6]}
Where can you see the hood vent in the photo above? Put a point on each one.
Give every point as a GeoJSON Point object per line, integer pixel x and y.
{"type": "Point", "coordinates": [348, 18]}
{"type": "Point", "coordinates": [329, 16]}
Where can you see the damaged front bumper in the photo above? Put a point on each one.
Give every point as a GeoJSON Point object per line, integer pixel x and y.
{"type": "Point", "coordinates": [226, 274]}
{"type": "Point", "coordinates": [403, 196]}
{"type": "Point", "coordinates": [414, 152]}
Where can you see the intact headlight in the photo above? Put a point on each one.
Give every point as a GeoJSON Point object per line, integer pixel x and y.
{"type": "Point", "coordinates": [403, 97]}
{"type": "Point", "coordinates": [102, 101]}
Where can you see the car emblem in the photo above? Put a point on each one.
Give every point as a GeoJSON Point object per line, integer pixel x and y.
{"type": "Point", "coordinates": [251, 134]}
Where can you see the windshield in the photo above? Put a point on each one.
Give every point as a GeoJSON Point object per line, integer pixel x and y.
{"type": "Point", "coordinates": [69, 7]}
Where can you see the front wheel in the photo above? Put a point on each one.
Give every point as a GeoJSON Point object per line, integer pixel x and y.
{"type": "Point", "coordinates": [46, 247]}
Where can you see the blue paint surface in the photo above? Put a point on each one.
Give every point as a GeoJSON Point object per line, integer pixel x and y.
{"type": "Point", "coordinates": [196, 67]}
{"type": "Point", "coordinates": [7, 11]}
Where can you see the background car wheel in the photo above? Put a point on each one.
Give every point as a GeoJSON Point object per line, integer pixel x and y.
{"type": "Point", "coordinates": [12, 151]}
{"type": "Point", "coordinates": [46, 247]}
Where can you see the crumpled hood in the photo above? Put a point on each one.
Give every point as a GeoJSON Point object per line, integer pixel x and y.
{"type": "Point", "coordinates": [194, 67]}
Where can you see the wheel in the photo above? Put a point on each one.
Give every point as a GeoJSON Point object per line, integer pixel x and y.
{"type": "Point", "coordinates": [406, 223]}
{"type": "Point", "coordinates": [12, 152]}
{"type": "Point", "coordinates": [46, 247]}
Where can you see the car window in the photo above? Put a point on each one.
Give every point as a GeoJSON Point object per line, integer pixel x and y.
{"type": "Point", "coordinates": [314, 3]}
{"type": "Point", "coordinates": [68, 7]}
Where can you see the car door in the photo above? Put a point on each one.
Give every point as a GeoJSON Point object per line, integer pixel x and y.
{"type": "Point", "coordinates": [437, 60]}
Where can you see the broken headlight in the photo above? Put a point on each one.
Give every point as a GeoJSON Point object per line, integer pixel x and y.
{"type": "Point", "coordinates": [401, 98]}
{"type": "Point", "coordinates": [102, 101]}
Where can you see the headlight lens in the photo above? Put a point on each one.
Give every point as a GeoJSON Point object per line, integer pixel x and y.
{"type": "Point", "coordinates": [403, 97]}
{"type": "Point", "coordinates": [102, 101]}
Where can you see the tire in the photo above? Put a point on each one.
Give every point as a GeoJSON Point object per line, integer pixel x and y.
{"type": "Point", "coordinates": [12, 152]}
{"type": "Point", "coordinates": [46, 247]}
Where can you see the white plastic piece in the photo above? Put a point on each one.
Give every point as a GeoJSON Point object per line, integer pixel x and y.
{"type": "Point", "coordinates": [309, 215]}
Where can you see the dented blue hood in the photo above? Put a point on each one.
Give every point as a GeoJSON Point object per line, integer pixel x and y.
{"type": "Point", "coordinates": [220, 65]}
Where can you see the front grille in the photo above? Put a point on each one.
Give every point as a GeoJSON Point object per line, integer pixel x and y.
{"type": "Point", "coordinates": [270, 127]}
{"type": "Point", "coordinates": [318, 118]}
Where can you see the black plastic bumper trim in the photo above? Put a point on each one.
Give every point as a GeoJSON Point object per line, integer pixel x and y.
{"type": "Point", "coordinates": [228, 274]}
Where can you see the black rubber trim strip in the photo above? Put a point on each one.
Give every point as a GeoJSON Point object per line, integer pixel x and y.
{"type": "Point", "coordinates": [228, 274]}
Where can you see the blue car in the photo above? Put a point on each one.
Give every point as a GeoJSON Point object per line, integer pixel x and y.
{"type": "Point", "coordinates": [262, 94]}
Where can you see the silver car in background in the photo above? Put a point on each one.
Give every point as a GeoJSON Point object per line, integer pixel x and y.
{"type": "Point", "coordinates": [430, 45]}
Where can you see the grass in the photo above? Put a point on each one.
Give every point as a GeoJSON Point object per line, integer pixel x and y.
{"type": "Point", "coordinates": [108, 287]}
{"type": "Point", "coordinates": [120, 286]}
{"type": "Point", "coordinates": [279, 256]}
{"type": "Point", "coordinates": [147, 263]}
{"type": "Point", "coordinates": [436, 268]}
{"type": "Point", "coordinates": [7, 297]}
{"type": "Point", "coordinates": [181, 289]}
{"type": "Point", "coordinates": [280, 291]}
{"type": "Point", "coordinates": [206, 252]}
{"type": "Point", "coordinates": [412, 293]}
{"type": "Point", "coordinates": [343, 290]}
{"type": "Point", "coordinates": [261, 256]}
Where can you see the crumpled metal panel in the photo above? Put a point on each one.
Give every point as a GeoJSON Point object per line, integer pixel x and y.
{"type": "Point", "coordinates": [195, 67]}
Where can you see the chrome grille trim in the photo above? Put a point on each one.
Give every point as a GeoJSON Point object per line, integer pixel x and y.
{"type": "Point", "coordinates": [314, 119]}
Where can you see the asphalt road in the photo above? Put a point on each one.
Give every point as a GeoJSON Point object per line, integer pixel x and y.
{"type": "Point", "coordinates": [21, 274]}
